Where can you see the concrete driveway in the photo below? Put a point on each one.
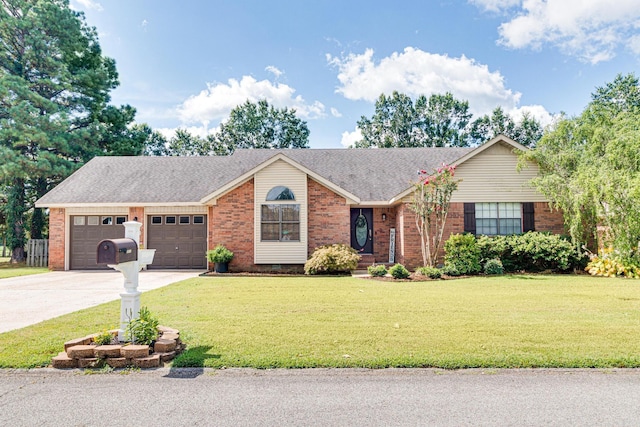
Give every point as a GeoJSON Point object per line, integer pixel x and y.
{"type": "Point", "coordinates": [31, 299]}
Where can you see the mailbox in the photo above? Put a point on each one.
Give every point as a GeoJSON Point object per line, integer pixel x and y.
{"type": "Point", "coordinates": [116, 251]}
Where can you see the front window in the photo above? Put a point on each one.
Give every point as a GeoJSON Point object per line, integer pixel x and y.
{"type": "Point", "coordinates": [280, 223]}
{"type": "Point", "coordinates": [498, 218]}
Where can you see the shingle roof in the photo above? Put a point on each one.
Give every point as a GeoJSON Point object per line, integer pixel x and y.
{"type": "Point", "coordinates": [370, 174]}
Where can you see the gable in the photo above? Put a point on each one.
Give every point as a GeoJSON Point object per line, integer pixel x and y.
{"type": "Point", "coordinates": [492, 176]}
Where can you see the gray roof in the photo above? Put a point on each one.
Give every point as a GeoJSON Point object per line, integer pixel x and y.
{"type": "Point", "coordinates": [369, 174]}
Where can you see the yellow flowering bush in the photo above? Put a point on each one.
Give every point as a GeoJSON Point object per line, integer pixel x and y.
{"type": "Point", "coordinates": [608, 263]}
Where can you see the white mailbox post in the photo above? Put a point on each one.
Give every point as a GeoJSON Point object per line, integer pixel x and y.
{"type": "Point", "coordinates": [130, 298]}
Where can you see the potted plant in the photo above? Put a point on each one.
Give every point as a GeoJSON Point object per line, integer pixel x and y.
{"type": "Point", "coordinates": [221, 257]}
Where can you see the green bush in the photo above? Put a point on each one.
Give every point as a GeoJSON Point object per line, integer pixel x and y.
{"type": "Point", "coordinates": [462, 252]}
{"type": "Point", "coordinates": [430, 272]}
{"type": "Point", "coordinates": [493, 266]}
{"type": "Point", "coordinates": [399, 271]}
{"type": "Point", "coordinates": [144, 329]}
{"type": "Point", "coordinates": [330, 259]}
{"type": "Point", "coordinates": [377, 270]}
{"type": "Point", "coordinates": [450, 270]}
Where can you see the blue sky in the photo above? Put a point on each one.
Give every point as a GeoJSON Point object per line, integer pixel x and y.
{"type": "Point", "coordinates": [188, 63]}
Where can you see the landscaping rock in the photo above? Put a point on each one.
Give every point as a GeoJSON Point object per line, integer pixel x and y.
{"type": "Point", "coordinates": [171, 336]}
{"type": "Point", "coordinates": [134, 351]}
{"type": "Point", "coordinates": [118, 362]}
{"type": "Point", "coordinates": [164, 346]}
{"type": "Point", "coordinates": [62, 361]}
{"type": "Point", "coordinates": [77, 341]}
{"type": "Point", "coordinates": [88, 362]}
{"type": "Point", "coordinates": [166, 357]}
{"type": "Point", "coordinates": [152, 361]}
{"type": "Point", "coordinates": [165, 329]}
{"type": "Point", "coordinates": [103, 351]}
{"type": "Point", "coordinates": [79, 351]}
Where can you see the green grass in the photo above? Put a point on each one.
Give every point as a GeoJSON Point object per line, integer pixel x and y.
{"type": "Point", "coordinates": [295, 322]}
{"type": "Point", "coordinates": [14, 270]}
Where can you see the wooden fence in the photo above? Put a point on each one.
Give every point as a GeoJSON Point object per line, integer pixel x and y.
{"type": "Point", "coordinates": [38, 253]}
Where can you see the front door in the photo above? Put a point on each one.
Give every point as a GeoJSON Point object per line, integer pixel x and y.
{"type": "Point", "coordinates": [362, 230]}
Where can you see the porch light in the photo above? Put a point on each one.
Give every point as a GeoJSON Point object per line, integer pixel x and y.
{"type": "Point", "coordinates": [384, 216]}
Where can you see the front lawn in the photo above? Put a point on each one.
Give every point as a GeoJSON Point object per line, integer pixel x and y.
{"type": "Point", "coordinates": [265, 322]}
{"type": "Point", "coordinates": [14, 270]}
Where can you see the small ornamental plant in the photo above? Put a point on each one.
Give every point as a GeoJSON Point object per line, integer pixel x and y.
{"type": "Point", "coordinates": [399, 271]}
{"type": "Point", "coordinates": [144, 329]}
{"type": "Point", "coordinates": [103, 338]}
{"type": "Point", "coordinates": [430, 272]}
{"type": "Point", "coordinates": [377, 270]}
{"type": "Point", "coordinates": [331, 259]}
{"type": "Point", "coordinates": [493, 267]}
{"type": "Point", "coordinates": [220, 254]}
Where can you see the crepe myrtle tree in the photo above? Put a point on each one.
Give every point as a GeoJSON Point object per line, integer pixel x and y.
{"type": "Point", "coordinates": [430, 203]}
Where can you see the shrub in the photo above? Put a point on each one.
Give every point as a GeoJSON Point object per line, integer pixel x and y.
{"type": "Point", "coordinates": [608, 263]}
{"type": "Point", "coordinates": [493, 266]}
{"type": "Point", "coordinates": [462, 252]}
{"type": "Point", "coordinates": [430, 272]}
{"type": "Point", "coordinates": [103, 338]}
{"type": "Point", "coordinates": [144, 329]}
{"type": "Point", "coordinates": [450, 270]}
{"type": "Point", "coordinates": [534, 251]}
{"type": "Point", "coordinates": [220, 254]}
{"type": "Point", "coordinates": [377, 270]}
{"type": "Point", "coordinates": [398, 271]}
{"type": "Point", "coordinates": [336, 258]}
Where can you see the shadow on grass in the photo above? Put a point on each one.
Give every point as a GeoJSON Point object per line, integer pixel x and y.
{"type": "Point", "coordinates": [190, 364]}
{"type": "Point", "coordinates": [525, 277]}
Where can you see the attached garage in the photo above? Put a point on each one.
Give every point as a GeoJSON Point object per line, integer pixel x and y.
{"type": "Point", "coordinates": [86, 232]}
{"type": "Point", "coordinates": [180, 241]}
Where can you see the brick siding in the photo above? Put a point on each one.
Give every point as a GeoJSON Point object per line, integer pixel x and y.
{"type": "Point", "coordinates": [56, 238]}
{"type": "Point", "coordinates": [547, 220]}
{"type": "Point", "coordinates": [231, 223]}
{"type": "Point", "coordinates": [328, 217]}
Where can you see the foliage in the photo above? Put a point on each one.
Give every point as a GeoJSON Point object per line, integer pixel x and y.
{"type": "Point", "coordinates": [54, 91]}
{"type": "Point", "coordinates": [450, 270]}
{"type": "Point", "coordinates": [430, 272]}
{"type": "Point", "coordinates": [430, 204]}
{"type": "Point", "coordinates": [399, 271]}
{"type": "Point", "coordinates": [462, 252]}
{"type": "Point", "coordinates": [609, 263]}
{"type": "Point", "coordinates": [439, 121]}
{"type": "Point", "coordinates": [532, 251]}
{"type": "Point", "coordinates": [103, 338]}
{"type": "Point", "coordinates": [377, 270]}
{"type": "Point", "coordinates": [143, 329]}
{"type": "Point", "coordinates": [527, 131]}
{"type": "Point", "coordinates": [493, 266]}
{"type": "Point", "coordinates": [328, 259]}
{"type": "Point", "coordinates": [260, 125]}
{"type": "Point", "coordinates": [589, 168]}
{"type": "Point", "coordinates": [219, 254]}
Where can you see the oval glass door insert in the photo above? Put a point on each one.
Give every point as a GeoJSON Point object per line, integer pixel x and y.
{"type": "Point", "coordinates": [362, 229]}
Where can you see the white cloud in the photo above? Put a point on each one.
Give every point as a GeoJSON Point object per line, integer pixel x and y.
{"type": "Point", "coordinates": [201, 131]}
{"type": "Point", "coordinates": [350, 138]}
{"type": "Point", "coordinates": [273, 70]}
{"type": "Point", "coordinates": [144, 24]}
{"type": "Point", "coordinates": [335, 112]}
{"type": "Point", "coordinates": [592, 30]}
{"type": "Point", "coordinates": [89, 5]}
{"type": "Point", "coordinates": [536, 111]}
{"type": "Point", "coordinates": [415, 72]}
{"type": "Point", "coordinates": [215, 102]}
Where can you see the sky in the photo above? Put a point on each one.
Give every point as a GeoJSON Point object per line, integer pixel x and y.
{"type": "Point", "coordinates": [186, 64]}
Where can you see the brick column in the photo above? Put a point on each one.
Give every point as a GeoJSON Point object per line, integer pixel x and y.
{"type": "Point", "coordinates": [138, 212]}
{"type": "Point", "coordinates": [57, 230]}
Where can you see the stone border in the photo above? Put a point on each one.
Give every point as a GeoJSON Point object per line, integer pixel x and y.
{"type": "Point", "coordinates": [84, 353]}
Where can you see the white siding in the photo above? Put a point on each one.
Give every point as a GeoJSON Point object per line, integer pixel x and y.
{"type": "Point", "coordinates": [491, 176]}
{"type": "Point", "coordinates": [281, 173]}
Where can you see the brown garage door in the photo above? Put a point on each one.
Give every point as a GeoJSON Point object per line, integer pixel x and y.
{"type": "Point", "coordinates": [86, 232]}
{"type": "Point", "coordinates": [180, 241]}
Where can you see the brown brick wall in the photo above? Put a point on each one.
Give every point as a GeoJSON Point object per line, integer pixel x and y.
{"type": "Point", "coordinates": [547, 220]}
{"type": "Point", "coordinates": [56, 238]}
{"type": "Point", "coordinates": [138, 212]}
{"type": "Point", "coordinates": [231, 224]}
{"type": "Point", "coordinates": [328, 217]}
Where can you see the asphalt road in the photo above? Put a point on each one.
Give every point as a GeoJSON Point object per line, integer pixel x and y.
{"type": "Point", "coordinates": [321, 397]}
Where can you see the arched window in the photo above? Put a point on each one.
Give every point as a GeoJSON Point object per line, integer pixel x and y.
{"type": "Point", "coordinates": [280, 221]}
{"type": "Point", "coordinates": [280, 193]}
